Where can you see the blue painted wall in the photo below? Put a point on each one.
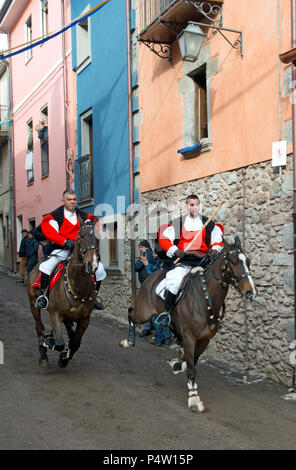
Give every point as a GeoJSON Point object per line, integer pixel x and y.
{"type": "Point", "coordinates": [102, 86]}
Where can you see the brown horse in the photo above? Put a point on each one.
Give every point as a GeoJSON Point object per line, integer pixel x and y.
{"type": "Point", "coordinates": [196, 316]}
{"type": "Point", "coordinates": [71, 299]}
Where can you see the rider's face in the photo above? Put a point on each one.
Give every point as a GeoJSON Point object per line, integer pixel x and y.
{"type": "Point", "coordinates": [70, 201]}
{"type": "Point", "coordinates": [193, 207]}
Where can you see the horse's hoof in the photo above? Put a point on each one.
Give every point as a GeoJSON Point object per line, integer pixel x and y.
{"type": "Point", "coordinates": [43, 363]}
{"type": "Point", "coordinates": [63, 362]}
{"type": "Point", "coordinates": [198, 408]}
{"type": "Point", "coordinates": [201, 408]}
{"type": "Point", "coordinates": [177, 365]}
{"type": "Point", "coordinates": [125, 344]}
{"type": "Point", "coordinates": [65, 357]}
{"type": "Point", "coordinates": [196, 405]}
{"type": "Point", "coordinates": [49, 343]}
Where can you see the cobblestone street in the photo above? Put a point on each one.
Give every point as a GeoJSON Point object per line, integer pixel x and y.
{"type": "Point", "coordinates": [108, 398]}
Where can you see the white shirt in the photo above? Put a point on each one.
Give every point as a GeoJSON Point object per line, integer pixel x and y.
{"type": "Point", "coordinates": [70, 216]}
{"type": "Point", "coordinates": [192, 224]}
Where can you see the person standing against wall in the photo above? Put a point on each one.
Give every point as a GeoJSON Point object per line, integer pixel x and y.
{"type": "Point", "coordinates": [23, 256]}
{"type": "Point", "coordinates": [145, 253]}
{"type": "Point", "coordinates": [31, 252]}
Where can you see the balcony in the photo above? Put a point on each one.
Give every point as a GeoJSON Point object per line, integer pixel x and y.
{"type": "Point", "coordinates": [4, 128]}
{"type": "Point", "coordinates": [160, 21]}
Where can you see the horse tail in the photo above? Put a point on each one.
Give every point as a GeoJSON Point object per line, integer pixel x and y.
{"type": "Point", "coordinates": [131, 327]}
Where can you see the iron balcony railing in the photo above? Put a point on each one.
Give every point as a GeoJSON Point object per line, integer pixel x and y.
{"type": "Point", "coordinates": [85, 177]}
{"type": "Point", "coordinates": [150, 10]}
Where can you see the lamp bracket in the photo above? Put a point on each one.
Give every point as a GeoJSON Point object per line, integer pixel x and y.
{"type": "Point", "coordinates": [162, 50]}
{"type": "Point", "coordinates": [209, 10]}
{"type": "Point", "coordinates": [238, 44]}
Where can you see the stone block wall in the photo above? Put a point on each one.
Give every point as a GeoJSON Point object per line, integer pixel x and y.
{"type": "Point", "coordinates": [257, 207]}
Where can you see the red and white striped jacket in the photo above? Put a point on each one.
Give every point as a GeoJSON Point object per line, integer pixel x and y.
{"type": "Point", "coordinates": [177, 236]}
{"type": "Point", "coordinates": [61, 224]}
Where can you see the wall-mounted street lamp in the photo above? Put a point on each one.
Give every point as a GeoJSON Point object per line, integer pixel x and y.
{"type": "Point", "coordinates": [192, 37]}
{"type": "Point", "coordinates": [190, 42]}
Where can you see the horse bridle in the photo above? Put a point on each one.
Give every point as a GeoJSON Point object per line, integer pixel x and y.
{"type": "Point", "coordinates": [234, 281]}
{"type": "Point", "coordinates": [68, 287]}
{"type": "Point", "coordinates": [88, 248]}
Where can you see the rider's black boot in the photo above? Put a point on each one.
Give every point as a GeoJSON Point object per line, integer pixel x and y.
{"type": "Point", "coordinates": [164, 319]}
{"type": "Point", "coordinates": [98, 305]}
{"type": "Point", "coordinates": [42, 301]}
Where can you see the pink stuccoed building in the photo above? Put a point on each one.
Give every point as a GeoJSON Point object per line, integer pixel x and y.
{"type": "Point", "coordinates": [42, 106]}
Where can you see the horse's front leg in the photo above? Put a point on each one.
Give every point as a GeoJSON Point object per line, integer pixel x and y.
{"type": "Point", "coordinates": [74, 342]}
{"type": "Point", "coordinates": [130, 341]}
{"type": "Point", "coordinates": [194, 401]}
{"type": "Point", "coordinates": [69, 327]}
{"type": "Point", "coordinates": [57, 341]}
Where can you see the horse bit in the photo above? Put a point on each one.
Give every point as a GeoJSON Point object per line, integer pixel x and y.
{"type": "Point", "coordinates": [234, 281]}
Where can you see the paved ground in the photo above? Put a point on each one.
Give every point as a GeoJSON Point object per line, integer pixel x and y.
{"type": "Point", "coordinates": [109, 398]}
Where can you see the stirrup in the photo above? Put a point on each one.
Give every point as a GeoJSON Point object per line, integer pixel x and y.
{"type": "Point", "coordinates": [41, 297]}
{"type": "Point", "coordinates": [165, 321]}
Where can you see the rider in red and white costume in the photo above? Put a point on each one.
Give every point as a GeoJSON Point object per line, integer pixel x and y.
{"type": "Point", "coordinates": [174, 239]}
{"type": "Point", "coordinates": [61, 227]}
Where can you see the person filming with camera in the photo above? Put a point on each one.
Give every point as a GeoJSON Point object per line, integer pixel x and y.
{"type": "Point", "coordinates": [145, 253]}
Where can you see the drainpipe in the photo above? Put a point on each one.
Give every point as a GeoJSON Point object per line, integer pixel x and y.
{"type": "Point", "coordinates": [130, 137]}
{"type": "Point", "coordinates": [12, 209]}
{"type": "Point", "coordinates": [12, 216]}
{"type": "Point", "coordinates": [65, 93]}
{"type": "Point", "coordinates": [293, 34]}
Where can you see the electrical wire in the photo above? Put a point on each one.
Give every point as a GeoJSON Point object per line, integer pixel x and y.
{"type": "Point", "coordinates": [38, 41]}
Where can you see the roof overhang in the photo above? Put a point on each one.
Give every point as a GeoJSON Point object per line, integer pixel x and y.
{"type": "Point", "coordinates": [172, 21]}
{"type": "Point", "coordinates": [10, 13]}
{"type": "Point", "coordinates": [289, 56]}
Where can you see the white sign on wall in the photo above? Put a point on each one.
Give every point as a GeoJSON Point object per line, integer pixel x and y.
{"type": "Point", "coordinates": [279, 153]}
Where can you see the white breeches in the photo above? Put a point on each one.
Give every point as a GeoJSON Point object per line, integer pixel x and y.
{"type": "Point", "coordinates": [55, 257]}
{"type": "Point", "coordinates": [175, 277]}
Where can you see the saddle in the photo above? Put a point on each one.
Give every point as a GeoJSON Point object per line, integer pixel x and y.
{"type": "Point", "coordinates": [185, 282]}
{"type": "Point", "coordinates": [202, 265]}
{"type": "Point", "coordinates": [213, 319]}
{"type": "Point", "coordinates": [54, 277]}
{"type": "Point", "coordinates": [160, 288]}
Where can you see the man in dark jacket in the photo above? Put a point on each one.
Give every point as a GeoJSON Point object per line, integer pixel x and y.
{"type": "Point", "coordinates": [146, 253]}
{"type": "Point", "coordinates": [31, 252]}
{"type": "Point", "coordinates": [23, 256]}
{"type": "Point", "coordinates": [162, 334]}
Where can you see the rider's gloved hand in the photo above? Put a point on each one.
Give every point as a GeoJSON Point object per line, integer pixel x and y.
{"type": "Point", "coordinates": [69, 245]}
{"type": "Point", "coordinates": [180, 254]}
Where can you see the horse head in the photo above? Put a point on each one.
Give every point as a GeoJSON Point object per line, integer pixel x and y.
{"type": "Point", "coordinates": [87, 246]}
{"type": "Point", "coordinates": [237, 265]}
